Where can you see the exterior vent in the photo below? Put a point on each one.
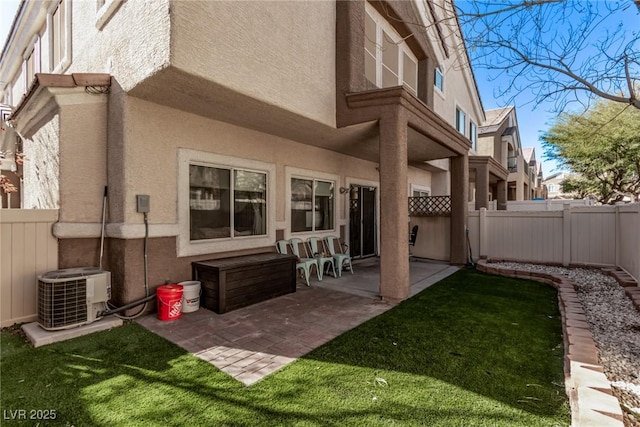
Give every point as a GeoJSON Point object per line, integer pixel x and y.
{"type": "Point", "coordinates": [72, 297]}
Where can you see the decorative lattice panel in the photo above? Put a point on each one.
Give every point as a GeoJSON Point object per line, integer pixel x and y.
{"type": "Point", "coordinates": [430, 206]}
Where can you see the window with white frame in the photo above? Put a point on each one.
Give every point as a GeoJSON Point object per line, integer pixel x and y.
{"type": "Point", "coordinates": [6, 98]}
{"type": "Point", "coordinates": [388, 59]}
{"type": "Point", "coordinates": [312, 204]}
{"type": "Point", "coordinates": [59, 28]}
{"type": "Point", "coordinates": [438, 79]}
{"type": "Point", "coordinates": [32, 62]}
{"type": "Point", "coordinates": [418, 190]}
{"type": "Point", "coordinates": [473, 135]}
{"type": "Point", "coordinates": [461, 118]}
{"type": "Point", "coordinates": [104, 10]}
{"type": "Point", "coordinates": [226, 202]}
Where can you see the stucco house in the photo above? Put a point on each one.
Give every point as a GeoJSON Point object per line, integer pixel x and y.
{"type": "Point", "coordinates": [499, 137]}
{"type": "Point", "coordinates": [536, 177]}
{"type": "Point", "coordinates": [244, 123]}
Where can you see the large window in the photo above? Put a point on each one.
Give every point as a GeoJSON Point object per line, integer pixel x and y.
{"type": "Point", "coordinates": [388, 60]}
{"type": "Point", "coordinates": [312, 205]}
{"type": "Point", "coordinates": [226, 202]}
{"type": "Point", "coordinates": [460, 121]}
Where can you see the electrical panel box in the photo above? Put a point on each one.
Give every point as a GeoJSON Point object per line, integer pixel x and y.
{"type": "Point", "coordinates": [142, 203]}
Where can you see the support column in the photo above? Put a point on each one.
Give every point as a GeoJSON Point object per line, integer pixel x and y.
{"type": "Point", "coordinates": [459, 209]}
{"type": "Point", "coordinates": [394, 214]}
{"type": "Point", "coordinates": [482, 186]}
{"type": "Point", "coordinates": [502, 195]}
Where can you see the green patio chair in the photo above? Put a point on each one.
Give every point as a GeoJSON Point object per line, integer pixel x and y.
{"type": "Point", "coordinates": [318, 252]}
{"type": "Point", "coordinates": [339, 253]}
{"type": "Point", "coordinates": [306, 261]}
{"type": "Point", "coordinates": [282, 246]}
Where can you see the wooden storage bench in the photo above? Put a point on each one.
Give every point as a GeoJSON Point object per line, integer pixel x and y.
{"type": "Point", "coordinates": [231, 283]}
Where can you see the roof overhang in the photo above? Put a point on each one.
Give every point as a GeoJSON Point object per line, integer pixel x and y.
{"type": "Point", "coordinates": [430, 137]}
{"type": "Point", "coordinates": [497, 172]}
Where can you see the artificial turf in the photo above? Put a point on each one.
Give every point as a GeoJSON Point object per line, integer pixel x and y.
{"type": "Point", "coordinates": [472, 350]}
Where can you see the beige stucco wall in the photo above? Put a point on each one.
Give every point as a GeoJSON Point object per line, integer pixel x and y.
{"type": "Point", "coordinates": [84, 160]}
{"type": "Point", "coordinates": [132, 45]}
{"type": "Point", "coordinates": [146, 162]}
{"type": "Point", "coordinates": [282, 53]}
{"type": "Point", "coordinates": [150, 165]}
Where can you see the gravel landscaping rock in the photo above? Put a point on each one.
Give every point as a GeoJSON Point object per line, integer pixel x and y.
{"type": "Point", "coordinates": [615, 323]}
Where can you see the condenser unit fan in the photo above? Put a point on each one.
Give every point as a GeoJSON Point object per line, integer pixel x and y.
{"type": "Point", "coordinates": [72, 297]}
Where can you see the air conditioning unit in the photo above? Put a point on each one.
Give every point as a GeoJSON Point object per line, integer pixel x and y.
{"type": "Point", "coordinates": [72, 297]}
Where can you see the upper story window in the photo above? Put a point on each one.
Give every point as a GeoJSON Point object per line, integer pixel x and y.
{"type": "Point", "coordinates": [32, 63]}
{"type": "Point", "coordinates": [438, 79]}
{"type": "Point", "coordinates": [461, 121]}
{"type": "Point", "coordinates": [59, 29]}
{"type": "Point", "coordinates": [388, 60]}
{"type": "Point", "coordinates": [6, 98]}
{"type": "Point", "coordinates": [312, 204]}
{"type": "Point", "coordinates": [473, 135]}
{"type": "Point", "coordinates": [104, 10]}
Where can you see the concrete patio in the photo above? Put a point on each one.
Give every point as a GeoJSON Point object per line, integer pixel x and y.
{"type": "Point", "coordinates": [255, 341]}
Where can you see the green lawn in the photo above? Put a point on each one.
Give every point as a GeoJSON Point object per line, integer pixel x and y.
{"type": "Point", "coordinates": [473, 350]}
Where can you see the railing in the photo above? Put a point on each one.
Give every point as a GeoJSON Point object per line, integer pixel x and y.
{"type": "Point", "coordinates": [430, 206]}
{"type": "Point", "coordinates": [512, 163]}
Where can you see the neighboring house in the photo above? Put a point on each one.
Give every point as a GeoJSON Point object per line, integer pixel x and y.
{"type": "Point", "coordinates": [499, 137]}
{"type": "Point", "coordinates": [538, 190]}
{"type": "Point", "coordinates": [553, 184]}
{"type": "Point", "coordinates": [245, 123]}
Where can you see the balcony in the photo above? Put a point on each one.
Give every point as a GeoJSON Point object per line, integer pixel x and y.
{"type": "Point", "coordinates": [512, 164]}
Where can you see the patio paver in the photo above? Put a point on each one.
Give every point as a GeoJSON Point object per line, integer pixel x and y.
{"type": "Point", "coordinates": [255, 341]}
{"type": "Point", "coordinates": [278, 331]}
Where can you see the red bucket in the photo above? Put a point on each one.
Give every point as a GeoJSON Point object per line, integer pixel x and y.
{"type": "Point", "coordinates": [169, 299]}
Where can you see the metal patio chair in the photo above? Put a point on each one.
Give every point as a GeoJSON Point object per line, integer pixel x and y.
{"type": "Point", "coordinates": [339, 253]}
{"type": "Point", "coordinates": [307, 261]}
{"type": "Point", "coordinates": [317, 251]}
{"type": "Point", "coordinates": [282, 246]}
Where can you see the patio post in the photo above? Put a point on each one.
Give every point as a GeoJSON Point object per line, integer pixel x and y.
{"type": "Point", "coordinates": [482, 186]}
{"type": "Point", "coordinates": [459, 208]}
{"type": "Point", "coordinates": [501, 188]}
{"type": "Point", "coordinates": [394, 212]}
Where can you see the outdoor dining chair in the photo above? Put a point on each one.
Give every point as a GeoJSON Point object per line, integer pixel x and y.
{"type": "Point", "coordinates": [282, 246]}
{"type": "Point", "coordinates": [413, 235]}
{"type": "Point", "coordinates": [340, 255]}
{"type": "Point", "coordinates": [306, 260]}
{"type": "Point", "coordinates": [324, 259]}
